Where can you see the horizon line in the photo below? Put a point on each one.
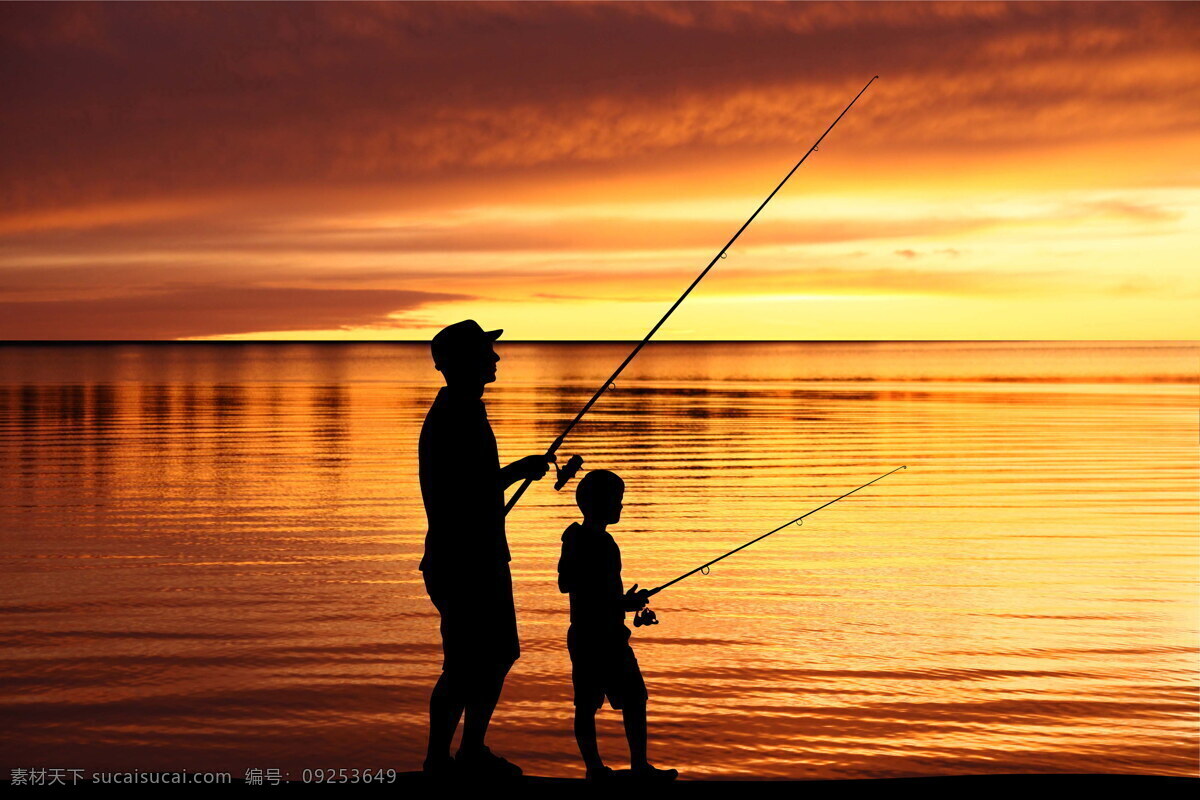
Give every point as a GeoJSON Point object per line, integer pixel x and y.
{"type": "Point", "coordinates": [71, 342]}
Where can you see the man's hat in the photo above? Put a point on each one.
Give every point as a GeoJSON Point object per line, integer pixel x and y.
{"type": "Point", "coordinates": [465, 338]}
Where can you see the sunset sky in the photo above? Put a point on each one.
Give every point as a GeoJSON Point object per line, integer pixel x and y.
{"type": "Point", "coordinates": [562, 171]}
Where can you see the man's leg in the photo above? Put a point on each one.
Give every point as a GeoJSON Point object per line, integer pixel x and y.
{"type": "Point", "coordinates": [481, 702]}
{"type": "Point", "coordinates": [495, 620]}
{"type": "Point", "coordinates": [448, 697]}
{"type": "Point", "coordinates": [494, 648]}
{"type": "Point", "coordinates": [445, 709]}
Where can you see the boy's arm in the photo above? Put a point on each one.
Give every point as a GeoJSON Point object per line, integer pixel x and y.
{"type": "Point", "coordinates": [564, 575]}
{"type": "Point", "coordinates": [578, 575]}
{"type": "Point", "coordinates": [567, 565]}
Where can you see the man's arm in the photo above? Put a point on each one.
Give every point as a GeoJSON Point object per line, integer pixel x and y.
{"type": "Point", "coordinates": [528, 467]}
{"type": "Point", "coordinates": [444, 481]}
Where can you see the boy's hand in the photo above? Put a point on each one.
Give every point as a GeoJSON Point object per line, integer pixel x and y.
{"type": "Point", "coordinates": [635, 599]}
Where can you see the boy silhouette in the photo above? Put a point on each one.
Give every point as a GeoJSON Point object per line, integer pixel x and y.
{"type": "Point", "coordinates": [602, 662]}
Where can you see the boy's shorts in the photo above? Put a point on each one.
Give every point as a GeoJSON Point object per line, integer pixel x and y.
{"type": "Point", "coordinates": [604, 667]}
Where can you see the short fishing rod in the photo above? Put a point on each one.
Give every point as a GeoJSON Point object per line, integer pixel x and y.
{"type": "Point", "coordinates": [575, 462]}
{"type": "Point", "coordinates": [704, 567]}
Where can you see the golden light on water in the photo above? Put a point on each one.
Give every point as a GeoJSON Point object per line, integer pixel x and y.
{"type": "Point", "coordinates": [223, 539]}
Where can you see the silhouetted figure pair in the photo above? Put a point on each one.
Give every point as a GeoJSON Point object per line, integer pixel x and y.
{"type": "Point", "coordinates": [466, 573]}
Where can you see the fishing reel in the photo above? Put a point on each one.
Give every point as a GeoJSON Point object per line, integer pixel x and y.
{"type": "Point", "coordinates": [568, 471]}
{"type": "Point", "coordinates": [645, 617]}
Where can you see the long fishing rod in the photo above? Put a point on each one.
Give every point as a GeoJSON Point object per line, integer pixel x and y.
{"type": "Point", "coordinates": [704, 567]}
{"type": "Point", "coordinates": [574, 464]}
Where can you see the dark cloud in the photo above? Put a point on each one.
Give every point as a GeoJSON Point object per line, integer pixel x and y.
{"type": "Point", "coordinates": [112, 100]}
{"type": "Point", "coordinates": [208, 311]}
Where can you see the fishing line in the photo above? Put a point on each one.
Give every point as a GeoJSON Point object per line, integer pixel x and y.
{"type": "Point", "coordinates": [705, 567]}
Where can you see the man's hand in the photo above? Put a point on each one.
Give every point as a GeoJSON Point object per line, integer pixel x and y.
{"type": "Point", "coordinates": [533, 466]}
{"type": "Point", "coordinates": [636, 599]}
{"type": "Point", "coordinates": [529, 467]}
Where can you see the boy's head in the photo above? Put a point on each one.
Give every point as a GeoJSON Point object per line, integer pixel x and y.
{"type": "Point", "coordinates": [599, 496]}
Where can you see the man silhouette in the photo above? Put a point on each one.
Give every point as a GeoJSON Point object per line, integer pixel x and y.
{"type": "Point", "coordinates": [466, 553]}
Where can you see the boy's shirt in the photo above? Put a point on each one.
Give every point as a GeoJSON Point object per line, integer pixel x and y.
{"type": "Point", "coordinates": [590, 570]}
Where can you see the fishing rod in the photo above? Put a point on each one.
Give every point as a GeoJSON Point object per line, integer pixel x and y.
{"type": "Point", "coordinates": [798, 520]}
{"type": "Point", "coordinates": [573, 465]}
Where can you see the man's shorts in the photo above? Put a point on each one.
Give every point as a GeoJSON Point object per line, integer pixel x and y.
{"type": "Point", "coordinates": [479, 622]}
{"type": "Point", "coordinates": [604, 666]}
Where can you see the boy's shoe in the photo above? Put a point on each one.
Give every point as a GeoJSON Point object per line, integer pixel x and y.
{"type": "Point", "coordinates": [484, 763]}
{"type": "Point", "coordinates": [438, 767]}
{"type": "Point", "coordinates": [648, 772]}
{"type": "Point", "coordinates": [600, 774]}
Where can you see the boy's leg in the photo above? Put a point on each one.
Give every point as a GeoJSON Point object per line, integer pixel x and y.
{"type": "Point", "coordinates": [634, 716]}
{"type": "Point", "coordinates": [635, 731]}
{"type": "Point", "coordinates": [633, 712]}
{"type": "Point", "coordinates": [585, 736]}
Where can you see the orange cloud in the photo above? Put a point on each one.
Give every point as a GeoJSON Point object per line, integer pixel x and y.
{"type": "Point", "coordinates": [164, 153]}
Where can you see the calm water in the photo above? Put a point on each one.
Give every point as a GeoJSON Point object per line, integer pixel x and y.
{"type": "Point", "coordinates": [209, 556]}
